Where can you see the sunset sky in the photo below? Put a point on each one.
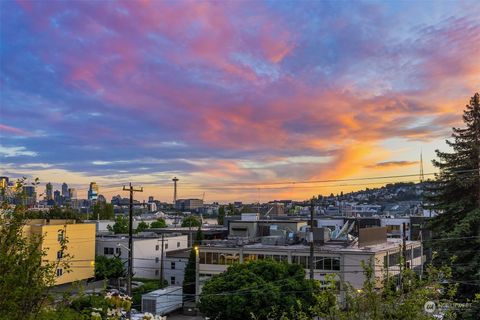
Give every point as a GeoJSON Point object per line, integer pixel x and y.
{"type": "Point", "coordinates": [230, 96]}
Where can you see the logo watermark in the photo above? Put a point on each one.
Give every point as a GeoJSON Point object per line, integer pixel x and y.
{"type": "Point", "coordinates": [429, 307]}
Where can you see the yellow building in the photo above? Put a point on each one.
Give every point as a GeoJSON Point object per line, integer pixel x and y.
{"type": "Point", "coordinates": [80, 247]}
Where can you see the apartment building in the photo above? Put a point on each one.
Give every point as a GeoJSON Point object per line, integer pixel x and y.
{"type": "Point", "coordinates": [80, 247]}
{"type": "Point", "coordinates": [147, 250]}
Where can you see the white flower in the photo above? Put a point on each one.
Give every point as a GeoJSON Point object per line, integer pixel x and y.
{"type": "Point", "coordinates": [96, 314]}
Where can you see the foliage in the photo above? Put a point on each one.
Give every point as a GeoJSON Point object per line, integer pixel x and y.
{"type": "Point", "coordinates": [120, 226]}
{"type": "Point", "coordinates": [190, 269]}
{"type": "Point", "coordinates": [455, 195]}
{"type": "Point", "coordinates": [103, 211]}
{"type": "Point", "coordinates": [259, 289]}
{"type": "Point", "coordinates": [160, 223]}
{"type": "Point", "coordinates": [54, 213]}
{"type": "Point", "coordinates": [142, 226]}
{"type": "Point", "coordinates": [108, 268]}
{"type": "Point", "coordinates": [221, 215]}
{"type": "Point", "coordinates": [191, 221]}
{"type": "Point", "coordinates": [25, 275]}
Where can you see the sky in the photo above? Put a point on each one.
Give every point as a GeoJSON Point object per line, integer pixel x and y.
{"type": "Point", "coordinates": [233, 98]}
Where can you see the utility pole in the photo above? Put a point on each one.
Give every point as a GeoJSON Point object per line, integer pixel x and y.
{"type": "Point", "coordinates": [161, 263]}
{"type": "Point", "coordinates": [131, 189]}
{"type": "Point", "coordinates": [311, 239]}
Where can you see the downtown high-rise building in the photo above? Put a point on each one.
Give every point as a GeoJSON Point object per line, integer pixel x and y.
{"type": "Point", "coordinates": [72, 193]}
{"type": "Point", "coordinates": [65, 193]}
{"type": "Point", "coordinates": [93, 191]}
{"type": "Point", "coordinates": [49, 192]}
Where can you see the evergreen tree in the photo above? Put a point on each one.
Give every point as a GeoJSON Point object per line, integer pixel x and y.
{"type": "Point", "coordinates": [190, 270]}
{"type": "Point", "coordinates": [455, 195]}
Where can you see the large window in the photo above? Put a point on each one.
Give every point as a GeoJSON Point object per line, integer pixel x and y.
{"type": "Point", "coordinates": [107, 250]}
{"type": "Point", "coordinates": [417, 252]}
{"type": "Point", "coordinates": [393, 259]}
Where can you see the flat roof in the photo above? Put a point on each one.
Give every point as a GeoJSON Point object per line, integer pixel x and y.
{"type": "Point", "coordinates": [329, 247]}
{"type": "Point", "coordinates": [182, 253]}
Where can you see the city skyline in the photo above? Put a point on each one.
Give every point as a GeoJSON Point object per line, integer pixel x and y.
{"type": "Point", "coordinates": [228, 94]}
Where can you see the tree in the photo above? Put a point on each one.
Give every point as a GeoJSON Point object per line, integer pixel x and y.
{"type": "Point", "coordinates": [108, 268]}
{"type": "Point", "coordinates": [160, 223]}
{"type": "Point", "coordinates": [120, 226]}
{"type": "Point", "coordinates": [191, 268]}
{"type": "Point", "coordinates": [259, 290]}
{"type": "Point", "coordinates": [142, 226]}
{"type": "Point", "coordinates": [221, 215]}
{"type": "Point", "coordinates": [25, 275]}
{"type": "Point", "coordinates": [191, 221]}
{"type": "Point", "coordinates": [455, 195]}
{"type": "Point", "coordinates": [103, 211]}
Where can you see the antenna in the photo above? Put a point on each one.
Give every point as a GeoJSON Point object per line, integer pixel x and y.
{"type": "Point", "coordinates": [422, 177]}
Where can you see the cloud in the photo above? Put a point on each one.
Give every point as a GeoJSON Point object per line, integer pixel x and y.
{"type": "Point", "coordinates": [9, 152]}
{"type": "Point", "coordinates": [221, 91]}
{"type": "Point", "coordinates": [393, 164]}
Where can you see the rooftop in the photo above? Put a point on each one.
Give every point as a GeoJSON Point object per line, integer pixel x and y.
{"type": "Point", "coordinates": [332, 246]}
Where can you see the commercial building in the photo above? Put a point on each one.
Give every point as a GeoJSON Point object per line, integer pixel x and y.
{"type": "Point", "coordinates": [65, 193]}
{"type": "Point", "coordinates": [332, 257]}
{"type": "Point", "coordinates": [80, 249]}
{"type": "Point", "coordinates": [147, 251]}
{"type": "Point", "coordinates": [29, 195]}
{"type": "Point", "coordinates": [49, 192]}
{"type": "Point", "coordinates": [93, 191]}
{"type": "Point", "coordinates": [188, 204]}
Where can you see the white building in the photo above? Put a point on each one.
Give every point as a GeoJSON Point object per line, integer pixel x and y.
{"type": "Point", "coordinates": [330, 258]}
{"type": "Point", "coordinates": [175, 263]}
{"type": "Point", "coordinates": [147, 251]}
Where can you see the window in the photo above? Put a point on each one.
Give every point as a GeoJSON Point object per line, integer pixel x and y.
{"type": "Point", "coordinates": [335, 264]}
{"type": "Point", "coordinates": [157, 272]}
{"type": "Point", "coordinates": [59, 272]}
{"type": "Point", "coordinates": [172, 265]}
{"type": "Point", "coordinates": [417, 252]}
{"type": "Point", "coordinates": [157, 259]}
{"type": "Point", "coordinates": [59, 254]}
{"type": "Point", "coordinates": [166, 245]}
{"type": "Point", "coordinates": [178, 244]}
{"type": "Point", "coordinates": [107, 250]}
{"type": "Point", "coordinates": [172, 280]}
{"type": "Point", "coordinates": [118, 251]}
{"type": "Point", "coordinates": [157, 247]}
{"type": "Point", "coordinates": [393, 259]}
{"type": "Point", "coordinates": [202, 257]}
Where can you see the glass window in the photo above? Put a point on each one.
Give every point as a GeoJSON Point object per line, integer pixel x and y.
{"type": "Point", "coordinates": [157, 272]}
{"type": "Point", "coordinates": [215, 258]}
{"type": "Point", "coordinates": [172, 265]}
{"type": "Point", "coordinates": [59, 272]}
{"type": "Point", "coordinates": [208, 259]}
{"type": "Point", "coordinates": [157, 247]}
{"type": "Point", "coordinates": [157, 259]}
{"type": "Point", "coordinates": [417, 252]}
{"type": "Point", "coordinates": [260, 256]}
{"type": "Point", "coordinates": [59, 254]}
{"type": "Point", "coordinates": [178, 244]}
{"type": "Point", "coordinates": [327, 264]}
{"type": "Point", "coordinates": [319, 263]}
{"type": "Point", "coordinates": [166, 245]}
{"type": "Point", "coordinates": [335, 264]}
{"type": "Point", "coordinates": [172, 280]}
{"type": "Point", "coordinates": [202, 257]}
{"type": "Point", "coordinates": [118, 251]}
{"type": "Point", "coordinates": [107, 250]}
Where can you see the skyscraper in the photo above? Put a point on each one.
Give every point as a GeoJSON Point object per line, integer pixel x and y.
{"type": "Point", "coordinates": [93, 191]}
{"type": "Point", "coordinates": [72, 193]}
{"type": "Point", "coordinates": [65, 190]}
{"type": "Point", "coordinates": [49, 191]}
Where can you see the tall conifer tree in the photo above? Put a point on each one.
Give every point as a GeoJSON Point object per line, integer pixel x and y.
{"type": "Point", "coordinates": [455, 195]}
